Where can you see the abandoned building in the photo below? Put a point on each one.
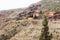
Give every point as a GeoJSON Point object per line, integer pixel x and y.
{"type": "Point", "coordinates": [57, 15]}
{"type": "Point", "coordinates": [54, 15]}
{"type": "Point", "coordinates": [35, 15]}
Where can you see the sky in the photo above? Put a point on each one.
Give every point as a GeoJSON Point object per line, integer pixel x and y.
{"type": "Point", "coordinates": [12, 4]}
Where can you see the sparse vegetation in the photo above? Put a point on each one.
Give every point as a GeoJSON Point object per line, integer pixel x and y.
{"type": "Point", "coordinates": [10, 31]}
{"type": "Point", "coordinates": [18, 18]}
{"type": "Point", "coordinates": [34, 22]}
{"type": "Point", "coordinates": [19, 24]}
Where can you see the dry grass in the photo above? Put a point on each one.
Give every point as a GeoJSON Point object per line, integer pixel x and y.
{"type": "Point", "coordinates": [27, 30]}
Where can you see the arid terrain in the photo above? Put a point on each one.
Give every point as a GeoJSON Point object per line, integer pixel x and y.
{"type": "Point", "coordinates": [26, 23]}
{"type": "Point", "coordinates": [27, 30]}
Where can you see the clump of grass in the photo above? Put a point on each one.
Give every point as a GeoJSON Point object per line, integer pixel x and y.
{"type": "Point", "coordinates": [34, 22]}
{"type": "Point", "coordinates": [24, 23]}
{"type": "Point", "coordinates": [3, 37]}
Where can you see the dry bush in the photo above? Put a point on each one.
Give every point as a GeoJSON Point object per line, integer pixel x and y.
{"type": "Point", "coordinates": [34, 22]}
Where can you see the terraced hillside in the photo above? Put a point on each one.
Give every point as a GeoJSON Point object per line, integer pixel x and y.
{"type": "Point", "coordinates": [27, 30]}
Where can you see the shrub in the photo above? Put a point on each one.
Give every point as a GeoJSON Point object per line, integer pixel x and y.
{"type": "Point", "coordinates": [45, 30]}
{"type": "Point", "coordinates": [34, 22]}
{"type": "Point", "coordinates": [24, 23]}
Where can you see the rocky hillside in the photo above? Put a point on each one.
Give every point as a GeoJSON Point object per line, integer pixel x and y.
{"type": "Point", "coordinates": [50, 5]}
{"type": "Point", "coordinates": [40, 6]}
{"type": "Point", "coordinates": [11, 29]}
{"type": "Point", "coordinates": [12, 13]}
{"type": "Point", "coordinates": [27, 30]}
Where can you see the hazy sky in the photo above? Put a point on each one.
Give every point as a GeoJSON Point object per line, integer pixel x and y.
{"type": "Point", "coordinates": [12, 4]}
